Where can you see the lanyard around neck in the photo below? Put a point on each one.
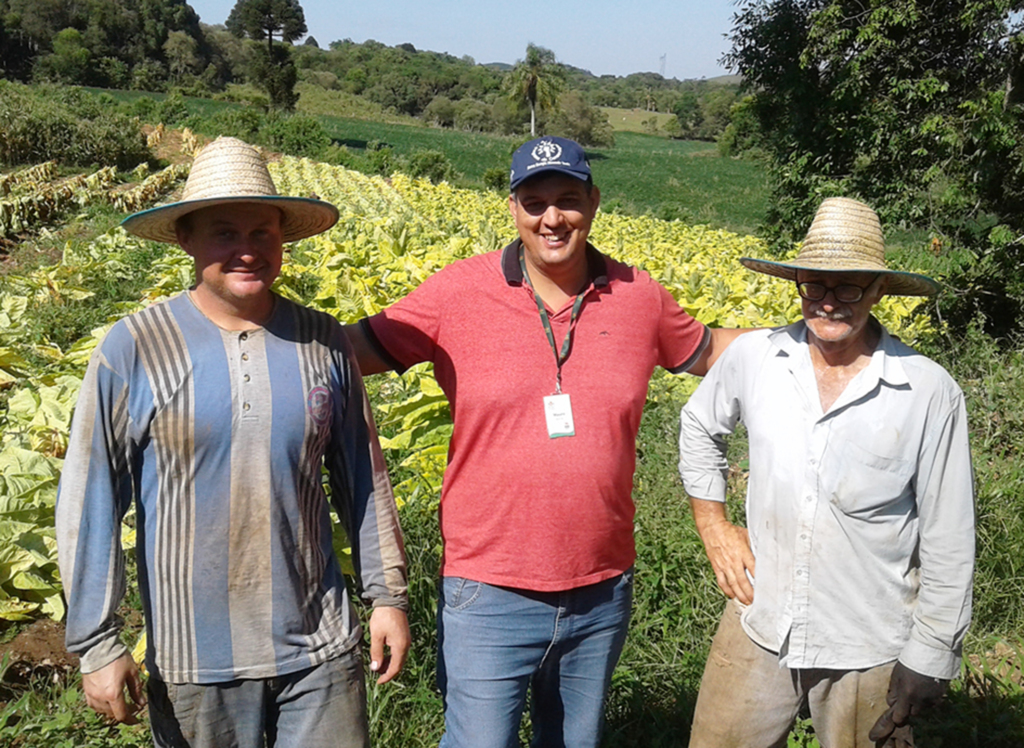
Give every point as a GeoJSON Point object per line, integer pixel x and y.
{"type": "Point", "coordinates": [560, 358]}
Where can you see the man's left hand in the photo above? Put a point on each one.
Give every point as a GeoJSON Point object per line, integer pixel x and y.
{"type": "Point", "coordinates": [910, 693]}
{"type": "Point", "coordinates": [389, 627]}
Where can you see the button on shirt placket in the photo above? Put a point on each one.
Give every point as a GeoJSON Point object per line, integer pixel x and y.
{"type": "Point", "coordinates": [807, 507]}
{"type": "Point", "coordinates": [246, 389]}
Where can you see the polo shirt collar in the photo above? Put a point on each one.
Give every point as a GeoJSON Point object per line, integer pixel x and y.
{"type": "Point", "coordinates": [597, 267]}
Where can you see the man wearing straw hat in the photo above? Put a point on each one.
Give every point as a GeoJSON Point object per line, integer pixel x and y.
{"type": "Point", "coordinates": [851, 585]}
{"type": "Point", "coordinates": [215, 412]}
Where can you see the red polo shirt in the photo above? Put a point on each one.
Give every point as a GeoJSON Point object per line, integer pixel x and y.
{"type": "Point", "coordinates": [519, 508]}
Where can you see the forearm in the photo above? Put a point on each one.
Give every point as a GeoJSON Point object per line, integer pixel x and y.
{"type": "Point", "coordinates": [707, 514]}
{"type": "Point", "coordinates": [366, 503]}
{"type": "Point", "coordinates": [93, 495]}
{"type": "Point", "coordinates": [366, 353]}
{"type": "Point", "coordinates": [946, 551]}
{"type": "Point", "coordinates": [720, 339]}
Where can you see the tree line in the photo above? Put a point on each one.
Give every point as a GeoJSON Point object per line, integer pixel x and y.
{"type": "Point", "coordinates": [916, 107]}
{"type": "Point", "coordinates": [157, 45]}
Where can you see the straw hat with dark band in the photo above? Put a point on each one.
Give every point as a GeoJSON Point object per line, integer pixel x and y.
{"type": "Point", "coordinates": [845, 235]}
{"type": "Point", "coordinates": [230, 171]}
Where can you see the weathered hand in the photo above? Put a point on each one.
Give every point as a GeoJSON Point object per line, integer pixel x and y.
{"type": "Point", "coordinates": [389, 627]}
{"type": "Point", "coordinates": [104, 690]}
{"type": "Point", "coordinates": [727, 547]}
{"type": "Point", "coordinates": [910, 693]}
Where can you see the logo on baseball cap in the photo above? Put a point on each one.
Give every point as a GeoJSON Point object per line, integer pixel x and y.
{"type": "Point", "coordinates": [549, 154]}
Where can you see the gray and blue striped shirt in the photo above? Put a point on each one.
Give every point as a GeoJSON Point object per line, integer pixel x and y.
{"type": "Point", "coordinates": [220, 438]}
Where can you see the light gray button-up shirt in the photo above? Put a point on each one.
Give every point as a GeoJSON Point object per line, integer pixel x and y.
{"type": "Point", "coordinates": [861, 518]}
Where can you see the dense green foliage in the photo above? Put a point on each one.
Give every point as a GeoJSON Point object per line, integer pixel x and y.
{"type": "Point", "coordinates": [116, 43]}
{"type": "Point", "coordinates": [272, 68]}
{"type": "Point", "coordinates": [913, 106]}
{"type": "Point", "coordinates": [106, 43]}
{"type": "Point", "coordinates": [36, 124]}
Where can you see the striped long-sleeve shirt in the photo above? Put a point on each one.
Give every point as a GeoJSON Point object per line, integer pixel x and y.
{"type": "Point", "coordinates": [220, 438]}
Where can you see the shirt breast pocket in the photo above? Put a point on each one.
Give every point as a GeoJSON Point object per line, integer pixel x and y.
{"type": "Point", "coordinates": [862, 482]}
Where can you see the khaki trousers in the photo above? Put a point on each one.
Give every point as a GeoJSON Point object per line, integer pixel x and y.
{"type": "Point", "coordinates": [747, 701]}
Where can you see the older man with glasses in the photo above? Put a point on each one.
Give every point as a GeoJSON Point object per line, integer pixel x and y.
{"type": "Point", "coordinates": [850, 586]}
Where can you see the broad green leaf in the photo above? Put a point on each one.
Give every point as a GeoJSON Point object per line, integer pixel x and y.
{"type": "Point", "coordinates": [29, 580]}
{"type": "Point", "coordinates": [17, 610]}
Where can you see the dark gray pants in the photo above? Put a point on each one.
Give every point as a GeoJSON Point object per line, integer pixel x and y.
{"type": "Point", "coordinates": [322, 707]}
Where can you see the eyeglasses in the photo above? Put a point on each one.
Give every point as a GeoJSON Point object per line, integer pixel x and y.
{"type": "Point", "coordinates": [847, 293]}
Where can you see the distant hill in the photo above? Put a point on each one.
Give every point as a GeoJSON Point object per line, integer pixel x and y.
{"type": "Point", "coordinates": [725, 80]}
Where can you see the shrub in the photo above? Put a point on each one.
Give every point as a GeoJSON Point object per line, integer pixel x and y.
{"type": "Point", "coordinates": [583, 123]}
{"type": "Point", "coordinates": [743, 133]}
{"type": "Point", "coordinates": [143, 108]}
{"type": "Point", "coordinates": [496, 178]}
{"type": "Point", "coordinates": [297, 134]}
{"type": "Point", "coordinates": [244, 94]}
{"type": "Point", "coordinates": [432, 165]}
{"type": "Point", "coordinates": [149, 75]}
{"type": "Point", "coordinates": [172, 110]}
{"type": "Point", "coordinates": [244, 123]}
{"type": "Point", "coordinates": [322, 78]}
{"type": "Point", "coordinates": [340, 155]}
{"type": "Point", "coordinates": [66, 124]}
{"type": "Point", "coordinates": [381, 157]}
{"type": "Point", "coordinates": [440, 111]}
{"type": "Point", "coordinates": [472, 115]}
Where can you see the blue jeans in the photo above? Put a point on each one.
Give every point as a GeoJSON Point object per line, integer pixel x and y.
{"type": "Point", "coordinates": [322, 707]}
{"type": "Point", "coordinates": [495, 642]}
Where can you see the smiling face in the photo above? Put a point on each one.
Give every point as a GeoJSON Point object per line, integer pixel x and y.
{"type": "Point", "coordinates": [553, 214]}
{"type": "Point", "coordinates": [238, 252]}
{"type": "Point", "coordinates": [835, 323]}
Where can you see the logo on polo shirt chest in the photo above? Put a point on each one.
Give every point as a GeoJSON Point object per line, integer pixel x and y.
{"type": "Point", "coordinates": [318, 403]}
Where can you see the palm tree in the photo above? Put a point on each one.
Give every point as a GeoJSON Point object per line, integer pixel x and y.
{"type": "Point", "coordinates": [538, 79]}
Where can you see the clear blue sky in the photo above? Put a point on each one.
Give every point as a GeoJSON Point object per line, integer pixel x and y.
{"type": "Point", "coordinates": [614, 37]}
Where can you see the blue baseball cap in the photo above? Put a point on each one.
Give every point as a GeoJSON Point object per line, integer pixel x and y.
{"type": "Point", "coordinates": [548, 154]}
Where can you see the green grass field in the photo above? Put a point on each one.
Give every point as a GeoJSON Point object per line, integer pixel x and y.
{"type": "Point", "coordinates": [641, 173]}
{"type": "Point", "coordinates": [632, 120]}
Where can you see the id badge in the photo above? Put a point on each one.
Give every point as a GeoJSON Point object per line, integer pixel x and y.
{"type": "Point", "coordinates": [558, 414]}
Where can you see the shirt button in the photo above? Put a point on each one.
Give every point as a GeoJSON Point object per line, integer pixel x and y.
{"type": "Point", "coordinates": [245, 378]}
{"type": "Point", "coordinates": [245, 356]}
{"type": "Point", "coordinates": [244, 336]}
{"type": "Point", "coordinates": [245, 406]}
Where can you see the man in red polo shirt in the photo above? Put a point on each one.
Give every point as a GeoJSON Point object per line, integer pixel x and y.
{"type": "Point", "coordinates": [545, 350]}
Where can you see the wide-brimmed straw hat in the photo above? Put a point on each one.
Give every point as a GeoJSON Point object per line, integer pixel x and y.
{"type": "Point", "coordinates": [231, 171]}
{"type": "Point", "coordinates": [846, 236]}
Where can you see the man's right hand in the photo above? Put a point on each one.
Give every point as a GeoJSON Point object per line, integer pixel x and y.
{"type": "Point", "coordinates": [104, 690]}
{"type": "Point", "coordinates": [727, 547]}
{"type": "Point", "coordinates": [910, 693]}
